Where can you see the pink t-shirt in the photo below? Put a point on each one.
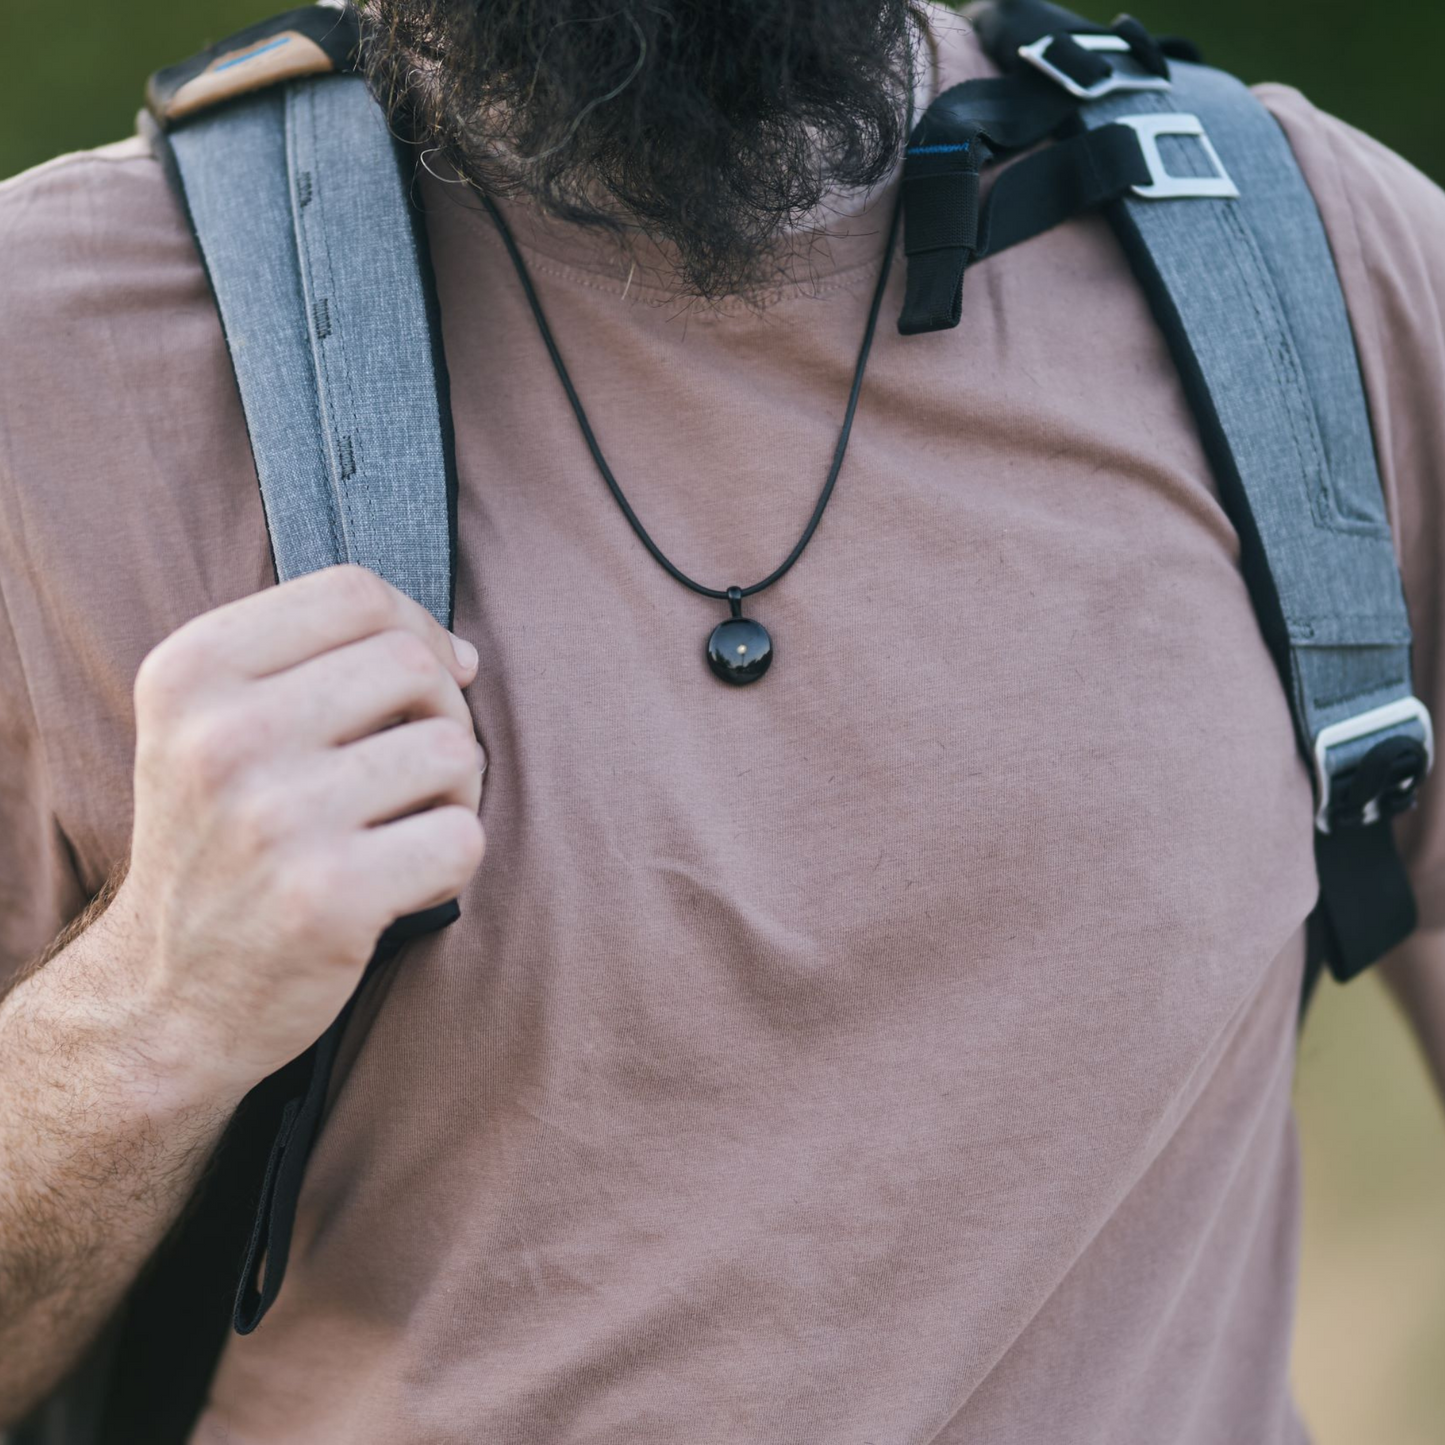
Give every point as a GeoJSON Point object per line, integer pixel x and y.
{"type": "Point", "coordinates": [898, 1050]}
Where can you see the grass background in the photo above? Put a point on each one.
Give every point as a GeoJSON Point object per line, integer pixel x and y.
{"type": "Point", "coordinates": [1371, 1349]}
{"type": "Point", "coordinates": [74, 72]}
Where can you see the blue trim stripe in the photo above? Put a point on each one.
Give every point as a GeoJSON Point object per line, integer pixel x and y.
{"type": "Point", "coordinates": [252, 54]}
{"type": "Point", "coordinates": [938, 150]}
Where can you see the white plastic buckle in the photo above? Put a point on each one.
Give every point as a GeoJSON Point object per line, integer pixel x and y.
{"type": "Point", "coordinates": [1379, 720]}
{"type": "Point", "coordinates": [1037, 55]}
{"type": "Point", "coordinates": [1163, 186]}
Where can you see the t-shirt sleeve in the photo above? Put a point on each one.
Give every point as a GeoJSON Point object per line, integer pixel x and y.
{"type": "Point", "coordinates": [1386, 224]}
{"type": "Point", "coordinates": [39, 892]}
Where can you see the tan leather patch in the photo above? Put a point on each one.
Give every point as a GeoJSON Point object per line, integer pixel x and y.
{"type": "Point", "coordinates": [279, 57]}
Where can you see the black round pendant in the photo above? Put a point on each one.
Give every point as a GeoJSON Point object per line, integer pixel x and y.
{"type": "Point", "coordinates": [740, 650]}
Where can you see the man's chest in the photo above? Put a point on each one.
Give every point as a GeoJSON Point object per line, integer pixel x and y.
{"type": "Point", "coordinates": [1021, 717]}
{"type": "Point", "coordinates": [1021, 714]}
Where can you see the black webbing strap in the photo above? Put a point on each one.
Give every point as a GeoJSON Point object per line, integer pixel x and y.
{"type": "Point", "coordinates": [1066, 180]}
{"type": "Point", "coordinates": [966, 128]}
{"type": "Point", "coordinates": [946, 230]}
{"type": "Point", "coordinates": [941, 226]}
{"type": "Point", "coordinates": [1012, 112]}
{"type": "Point", "coordinates": [295, 1101]}
{"type": "Point", "coordinates": [972, 124]}
{"type": "Point", "coordinates": [1004, 30]}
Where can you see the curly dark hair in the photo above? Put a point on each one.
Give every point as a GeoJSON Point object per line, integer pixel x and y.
{"type": "Point", "coordinates": [712, 126]}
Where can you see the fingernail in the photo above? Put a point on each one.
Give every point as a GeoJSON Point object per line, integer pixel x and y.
{"type": "Point", "coordinates": [481, 759]}
{"type": "Point", "coordinates": [466, 653]}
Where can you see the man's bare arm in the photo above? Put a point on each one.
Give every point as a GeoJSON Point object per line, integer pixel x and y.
{"type": "Point", "coordinates": [104, 1131]}
{"type": "Point", "coordinates": [306, 772]}
{"type": "Point", "coordinates": [1415, 973]}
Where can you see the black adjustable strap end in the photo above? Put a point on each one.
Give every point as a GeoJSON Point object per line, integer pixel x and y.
{"type": "Point", "coordinates": [1082, 59]}
{"type": "Point", "coordinates": [940, 224]}
{"type": "Point", "coordinates": [1368, 770]}
{"type": "Point", "coordinates": [1146, 49]}
{"type": "Point", "coordinates": [1367, 906]}
{"type": "Point", "coordinates": [269, 1247]}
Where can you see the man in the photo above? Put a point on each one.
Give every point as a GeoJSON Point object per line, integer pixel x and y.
{"type": "Point", "coordinates": [899, 1049]}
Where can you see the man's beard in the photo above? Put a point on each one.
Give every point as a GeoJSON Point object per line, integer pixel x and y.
{"type": "Point", "coordinates": [714, 127]}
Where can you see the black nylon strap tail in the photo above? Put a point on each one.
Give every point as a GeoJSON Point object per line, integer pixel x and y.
{"type": "Point", "coordinates": [179, 1313]}
{"type": "Point", "coordinates": [293, 1103]}
{"type": "Point", "coordinates": [946, 231]}
{"type": "Point", "coordinates": [147, 1380]}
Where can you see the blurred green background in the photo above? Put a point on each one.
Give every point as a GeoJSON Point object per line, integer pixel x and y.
{"type": "Point", "coordinates": [74, 72]}
{"type": "Point", "coordinates": [1371, 1352]}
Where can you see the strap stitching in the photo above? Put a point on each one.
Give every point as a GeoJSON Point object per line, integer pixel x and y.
{"type": "Point", "coordinates": [332, 368]}
{"type": "Point", "coordinates": [304, 194]}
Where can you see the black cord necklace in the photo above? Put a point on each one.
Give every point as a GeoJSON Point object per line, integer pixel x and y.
{"type": "Point", "coordinates": [740, 649]}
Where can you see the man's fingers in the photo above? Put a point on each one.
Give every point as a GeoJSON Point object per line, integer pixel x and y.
{"type": "Point", "coordinates": [353, 690]}
{"type": "Point", "coordinates": [393, 773]}
{"type": "Point", "coordinates": [301, 619]}
{"type": "Point", "coordinates": [418, 861]}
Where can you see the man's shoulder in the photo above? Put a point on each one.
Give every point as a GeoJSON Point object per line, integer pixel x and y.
{"type": "Point", "coordinates": [61, 211]}
{"type": "Point", "coordinates": [117, 400]}
{"type": "Point", "coordinates": [92, 220]}
{"type": "Point", "coordinates": [100, 282]}
{"type": "Point", "coordinates": [104, 162]}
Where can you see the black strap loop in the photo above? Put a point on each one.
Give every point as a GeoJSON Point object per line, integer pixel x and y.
{"type": "Point", "coordinates": [946, 232]}
{"type": "Point", "coordinates": [1086, 68]}
{"type": "Point", "coordinates": [1066, 180]}
{"type": "Point", "coordinates": [1385, 783]}
{"type": "Point", "coordinates": [1366, 903]}
{"type": "Point", "coordinates": [941, 220]}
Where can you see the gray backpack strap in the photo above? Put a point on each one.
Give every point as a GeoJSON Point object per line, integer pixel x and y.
{"type": "Point", "coordinates": [306, 225]}
{"type": "Point", "coordinates": [1246, 290]}
{"type": "Point", "coordinates": [300, 201]}
{"type": "Point", "coordinates": [300, 204]}
{"type": "Point", "coordinates": [1228, 244]}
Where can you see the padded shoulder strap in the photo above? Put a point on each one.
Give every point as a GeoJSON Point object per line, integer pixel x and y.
{"type": "Point", "coordinates": [1228, 244]}
{"type": "Point", "coordinates": [1247, 292]}
{"type": "Point", "coordinates": [300, 204]}
{"type": "Point", "coordinates": [301, 209]}
{"type": "Point", "coordinates": [304, 219]}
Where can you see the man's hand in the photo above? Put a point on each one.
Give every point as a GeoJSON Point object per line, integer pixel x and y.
{"type": "Point", "coordinates": [306, 772]}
